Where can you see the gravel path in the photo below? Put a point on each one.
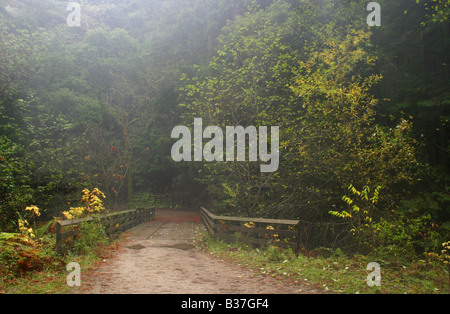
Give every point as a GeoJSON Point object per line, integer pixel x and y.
{"type": "Point", "coordinates": [160, 258]}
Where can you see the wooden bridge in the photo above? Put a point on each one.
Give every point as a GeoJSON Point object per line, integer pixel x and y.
{"type": "Point", "coordinates": [113, 223]}
{"type": "Point", "coordinates": [256, 231]}
{"type": "Point", "coordinates": [160, 256]}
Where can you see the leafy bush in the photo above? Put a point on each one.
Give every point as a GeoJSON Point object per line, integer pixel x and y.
{"type": "Point", "coordinates": [386, 232]}
{"type": "Point", "coordinates": [14, 182]}
{"type": "Point", "coordinates": [19, 254]}
{"type": "Point", "coordinates": [91, 236]}
{"type": "Point", "coordinates": [29, 250]}
{"type": "Point", "coordinates": [33, 248]}
{"type": "Point", "coordinates": [92, 203]}
{"type": "Point", "coordinates": [443, 257]}
{"type": "Point", "coordinates": [334, 271]}
{"type": "Point", "coordinates": [406, 237]}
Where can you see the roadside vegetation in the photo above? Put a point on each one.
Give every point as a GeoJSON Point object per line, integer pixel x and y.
{"type": "Point", "coordinates": [336, 272]}
{"type": "Point", "coordinates": [363, 114]}
{"type": "Point", "coordinates": [29, 262]}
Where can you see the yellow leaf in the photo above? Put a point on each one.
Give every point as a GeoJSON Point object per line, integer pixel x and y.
{"type": "Point", "coordinates": [34, 209]}
{"type": "Point", "coordinates": [250, 225]}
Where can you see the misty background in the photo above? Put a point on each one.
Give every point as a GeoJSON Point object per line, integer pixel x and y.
{"type": "Point", "coordinates": [358, 106]}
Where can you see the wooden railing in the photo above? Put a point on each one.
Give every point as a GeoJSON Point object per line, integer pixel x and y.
{"type": "Point", "coordinates": [113, 223]}
{"type": "Point", "coordinates": [259, 231]}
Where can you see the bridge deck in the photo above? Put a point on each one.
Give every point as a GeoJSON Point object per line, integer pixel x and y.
{"type": "Point", "coordinates": [160, 257]}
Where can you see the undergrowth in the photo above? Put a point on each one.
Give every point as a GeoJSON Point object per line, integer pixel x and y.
{"type": "Point", "coordinates": [29, 262]}
{"type": "Point", "coordinates": [335, 272]}
{"type": "Point", "coordinates": [36, 268]}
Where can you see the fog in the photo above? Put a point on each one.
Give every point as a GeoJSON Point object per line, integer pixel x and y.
{"type": "Point", "coordinates": [90, 92]}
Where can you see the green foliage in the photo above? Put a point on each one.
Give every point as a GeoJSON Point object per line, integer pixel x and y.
{"type": "Point", "coordinates": [316, 88]}
{"type": "Point", "coordinates": [94, 106]}
{"type": "Point", "coordinates": [386, 234]}
{"type": "Point", "coordinates": [33, 249]}
{"type": "Point", "coordinates": [274, 253]}
{"type": "Point", "coordinates": [360, 211]}
{"type": "Point", "coordinates": [249, 82]}
{"type": "Point", "coordinates": [15, 179]}
{"type": "Point", "coordinates": [19, 255]}
{"type": "Point", "coordinates": [406, 237]}
{"type": "Point", "coordinates": [335, 272]}
{"type": "Point", "coordinates": [417, 80]}
{"type": "Point", "coordinates": [438, 11]}
{"type": "Point", "coordinates": [319, 78]}
{"type": "Point", "coordinates": [92, 237]}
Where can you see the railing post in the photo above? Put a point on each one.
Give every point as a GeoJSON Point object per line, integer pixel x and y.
{"type": "Point", "coordinates": [58, 237]}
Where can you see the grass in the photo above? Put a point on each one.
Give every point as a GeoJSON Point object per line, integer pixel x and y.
{"type": "Point", "coordinates": [48, 281]}
{"type": "Point", "coordinates": [337, 273]}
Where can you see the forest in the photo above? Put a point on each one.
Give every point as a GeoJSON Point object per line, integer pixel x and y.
{"type": "Point", "coordinates": [362, 111]}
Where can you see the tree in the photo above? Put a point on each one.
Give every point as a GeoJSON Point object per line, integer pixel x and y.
{"type": "Point", "coordinates": [248, 82]}
{"type": "Point", "coordinates": [317, 87]}
{"type": "Point", "coordinates": [339, 142]}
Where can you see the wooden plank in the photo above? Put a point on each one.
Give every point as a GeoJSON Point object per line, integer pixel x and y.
{"type": "Point", "coordinates": [250, 235]}
{"type": "Point", "coordinates": [124, 219]}
{"type": "Point", "coordinates": [210, 223]}
{"type": "Point", "coordinates": [115, 220]}
{"type": "Point", "coordinates": [244, 229]}
{"type": "Point", "coordinates": [112, 229]}
{"type": "Point", "coordinates": [210, 226]}
{"type": "Point", "coordinates": [81, 220]}
{"type": "Point", "coordinates": [205, 214]}
{"type": "Point", "coordinates": [71, 222]}
{"type": "Point", "coordinates": [58, 237]}
{"type": "Point", "coordinates": [255, 220]}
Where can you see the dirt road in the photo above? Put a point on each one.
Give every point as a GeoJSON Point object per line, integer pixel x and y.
{"type": "Point", "coordinates": [160, 258]}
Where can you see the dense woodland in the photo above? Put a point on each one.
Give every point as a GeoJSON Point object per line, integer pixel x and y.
{"type": "Point", "coordinates": [363, 111]}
